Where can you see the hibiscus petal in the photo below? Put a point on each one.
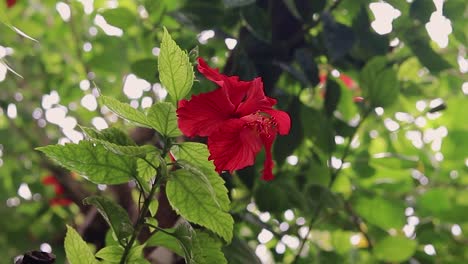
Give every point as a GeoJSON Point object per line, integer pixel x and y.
{"type": "Point", "coordinates": [267, 173]}
{"type": "Point", "coordinates": [255, 99]}
{"type": "Point", "coordinates": [210, 73]}
{"type": "Point", "coordinates": [233, 146]}
{"type": "Point", "coordinates": [282, 119]}
{"type": "Point", "coordinates": [202, 114]}
{"type": "Point", "coordinates": [235, 88]}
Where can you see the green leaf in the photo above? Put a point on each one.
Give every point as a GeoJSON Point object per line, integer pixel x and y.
{"type": "Point", "coordinates": [271, 197]}
{"type": "Point", "coordinates": [125, 111]}
{"type": "Point", "coordinates": [93, 161]}
{"type": "Point", "coordinates": [134, 151]}
{"type": "Point", "coordinates": [78, 252]}
{"type": "Point", "coordinates": [332, 97]}
{"type": "Point", "coordinates": [368, 42]}
{"type": "Point", "coordinates": [120, 17]}
{"type": "Point", "coordinates": [285, 145]}
{"type": "Point", "coordinates": [162, 117]}
{"type": "Point", "coordinates": [146, 69]}
{"type": "Point", "coordinates": [185, 235]}
{"type": "Point", "coordinates": [115, 216]}
{"type": "Point", "coordinates": [422, 10]}
{"type": "Point", "coordinates": [395, 249]}
{"type": "Point", "coordinates": [435, 202]}
{"type": "Point", "coordinates": [136, 255]}
{"type": "Point", "coordinates": [257, 21]}
{"type": "Point", "coordinates": [111, 253]}
{"type": "Point", "coordinates": [168, 241]}
{"type": "Point", "coordinates": [380, 212]}
{"type": "Point", "coordinates": [179, 240]}
{"type": "Point", "coordinates": [346, 105]}
{"type": "Point", "coordinates": [118, 142]}
{"type": "Point", "coordinates": [419, 42]}
{"type": "Point", "coordinates": [153, 207]}
{"type": "Point", "coordinates": [318, 195]}
{"type": "Point", "coordinates": [190, 197]}
{"type": "Point", "coordinates": [197, 153]}
{"type": "Point", "coordinates": [112, 135]}
{"type": "Point", "coordinates": [340, 241]}
{"type": "Point", "coordinates": [175, 70]}
{"type": "Point", "coordinates": [339, 38]}
{"type": "Point", "coordinates": [145, 170]}
{"type": "Point", "coordinates": [239, 252]}
{"type": "Point", "coordinates": [379, 83]}
{"type": "Point", "coordinates": [207, 249]}
{"type": "Point", "coordinates": [3, 15]}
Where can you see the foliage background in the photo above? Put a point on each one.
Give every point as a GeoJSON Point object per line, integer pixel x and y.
{"type": "Point", "coordinates": [399, 181]}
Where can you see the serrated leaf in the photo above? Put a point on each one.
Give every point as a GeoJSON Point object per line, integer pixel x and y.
{"type": "Point", "coordinates": [162, 117]}
{"type": "Point", "coordinates": [207, 249]}
{"type": "Point", "coordinates": [93, 161]}
{"type": "Point", "coordinates": [125, 111]}
{"type": "Point", "coordinates": [118, 142]}
{"type": "Point", "coordinates": [175, 71]}
{"type": "Point", "coordinates": [76, 249]}
{"type": "Point", "coordinates": [192, 200]}
{"type": "Point", "coordinates": [111, 253]}
{"type": "Point", "coordinates": [196, 172]}
{"type": "Point", "coordinates": [112, 135]}
{"type": "Point", "coordinates": [115, 216]}
{"type": "Point", "coordinates": [197, 154]}
{"type": "Point", "coordinates": [134, 151]}
{"type": "Point", "coordinates": [395, 249]}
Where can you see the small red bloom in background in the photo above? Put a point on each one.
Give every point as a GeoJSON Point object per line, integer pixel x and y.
{"type": "Point", "coordinates": [238, 119]}
{"type": "Point", "coordinates": [58, 189]}
{"type": "Point", "coordinates": [348, 81]}
{"type": "Point", "coordinates": [10, 3]}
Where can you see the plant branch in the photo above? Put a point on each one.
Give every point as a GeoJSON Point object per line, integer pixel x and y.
{"type": "Point", "coordinates": [144, 211]}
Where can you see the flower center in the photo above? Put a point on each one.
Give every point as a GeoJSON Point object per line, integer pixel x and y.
{"type": "Point", "coordinates": [264, 124]}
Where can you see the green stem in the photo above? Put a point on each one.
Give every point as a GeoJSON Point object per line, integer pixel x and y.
{"type": "Point", "coordinates": [158, 229]}
{"type": "Point", "coordinates": [144, 211]}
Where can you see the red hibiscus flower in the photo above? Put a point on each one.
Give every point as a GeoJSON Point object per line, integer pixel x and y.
{"type": "Point", "coordinates": [237, 118]}
{"type": "Point", "coordinates": [10, 3]}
